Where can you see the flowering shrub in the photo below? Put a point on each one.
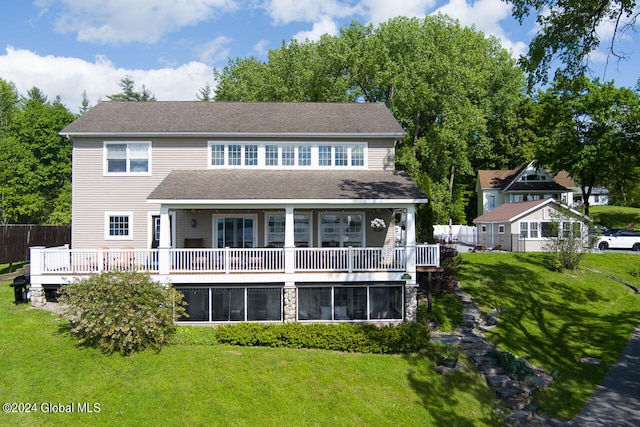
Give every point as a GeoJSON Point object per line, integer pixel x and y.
{"type": "Point", "coordinates": [378, 224]}
{"type": "Point", "coordinates": [121, 311]}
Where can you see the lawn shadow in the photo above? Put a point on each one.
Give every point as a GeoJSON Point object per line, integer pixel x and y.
{"type": "Point", "coordinates": [549, 322]}
{"type": "Point", "coordinates": [443, 399]}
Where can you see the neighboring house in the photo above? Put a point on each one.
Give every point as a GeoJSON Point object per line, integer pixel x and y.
{"type": "Point", "coordinates": [528, 226]}
{"type": "Point", "coordinates": [525, 183]}
{"type": "Point", "coordinates": [599, 196]}
{"type": "Point", "coordinates": [254, 211]}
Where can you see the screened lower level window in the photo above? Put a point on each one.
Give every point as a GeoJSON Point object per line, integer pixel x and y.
{"type": "Point", "coordinates": [344, 303]}
{"type": "Point", "coordinates": [213, 304]}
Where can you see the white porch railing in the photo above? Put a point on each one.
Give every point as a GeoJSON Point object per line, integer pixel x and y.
{"type": "Point", "coordinates": [87, 261]}
{"type": "Point", "coordinates": [267, 260]}
{"type": "Point", "coordinates": [350, 259]}
{"type": "Point", "coordinates": [64, 261]}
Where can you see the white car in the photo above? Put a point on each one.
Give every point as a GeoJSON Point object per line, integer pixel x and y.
{"type": "Point", "coordinates": [621, 239]}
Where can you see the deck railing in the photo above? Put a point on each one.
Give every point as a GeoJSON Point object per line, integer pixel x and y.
{"type": "Point", "coordinates": [231, 260]}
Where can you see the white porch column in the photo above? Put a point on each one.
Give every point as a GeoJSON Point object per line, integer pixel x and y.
{"type": "Point", "coordinates": [289, 241]}
{"type": "Point", "coordinates": [411, 244]}
{"type": "Point", "coordinates": [164, 257]}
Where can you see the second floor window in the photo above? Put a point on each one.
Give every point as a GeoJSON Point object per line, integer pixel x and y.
{"type": "Point", "coordinates": [287, 155]}
{"type": "Point", "coordinates": [127, 157]}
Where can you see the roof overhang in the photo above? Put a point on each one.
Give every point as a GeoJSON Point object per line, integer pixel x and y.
{"type": "Point", "coordinates": [235, 135]}
{"type": "Point", "coordinates": [280, 203]}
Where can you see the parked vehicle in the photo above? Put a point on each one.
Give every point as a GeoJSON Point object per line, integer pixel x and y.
{"type": "Point", "coordinates": [620, 239]}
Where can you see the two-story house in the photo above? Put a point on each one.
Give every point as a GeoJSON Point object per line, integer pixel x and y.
{"type": "Point", "coordinates": [525, 183]}
{"type": "Point", "coordinates": [254, 211]}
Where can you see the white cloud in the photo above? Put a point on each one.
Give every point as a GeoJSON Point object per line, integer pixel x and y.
{"type": "Point", "coordinates": [325, 26]}
{"type": "Point", "coordinates": [262, 47]}
{"type": "Point", "coordinates": [286, 11]}
{"type": "Point", "coordinates": [27, 69]}
{"type": "Point", "coordinates": [381, 10]}
{"type": "Point", "coordinates": [124, 21]}
{"type": "Point", "coordinates": [214, 51]}
{"type": "Point", "coordinates": [486, 16]}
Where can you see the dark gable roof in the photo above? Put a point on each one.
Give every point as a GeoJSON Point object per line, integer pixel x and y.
{"type": "Point", "coordinates": [500, 179]}
{"type": "Point", "coordinates": [240, 184]}
{"type": "Point", "coordinates": [184, 117]}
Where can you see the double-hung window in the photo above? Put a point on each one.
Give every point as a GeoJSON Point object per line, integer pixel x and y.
{"type": "Point", "coordinates": [127, 158]}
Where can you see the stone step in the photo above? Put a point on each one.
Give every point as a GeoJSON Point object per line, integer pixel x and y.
{"type": "Point", "coordinates": [517, 402]}
{"type": "Point", "coordinates": [472, 339]}
{"type": "Point", "coordinates": [498, 381]}
{"type": "Point", "coordinates": [485, 360]}
{"type": "Point", "coordinates": [507, 391]}
{"type": "Point", "coordinates": [446, 339]}
{"type": "Point", "coordinates": [476, 351]}
{"type": "Point", "coordinates": [491, 370]}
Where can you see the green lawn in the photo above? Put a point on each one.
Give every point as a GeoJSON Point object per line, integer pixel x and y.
{"type": "Point", "coordinates": [554, 319]}
{"type": "Point", "coordinates": [224, 385]}
{"type": "Point", "coordinates": [615, 216]}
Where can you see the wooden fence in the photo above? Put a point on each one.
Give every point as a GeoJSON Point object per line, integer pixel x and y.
{"type": "Point", "coordinates": [15, 239]}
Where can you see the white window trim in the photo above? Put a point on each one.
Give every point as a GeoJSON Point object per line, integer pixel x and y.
{"type": "Point", "coordinates": [341, 244]}
{"type": "Point", "coordinates": [105, 164]}
{"type": "Point", "coordinates": [107, 215]}
{"type": "Point", "coordinates": [503, 227]}
{"type": "Point", "coordinates": [315, 157]}
{"type": "Point", "coordinates": [270, 213]}
{"type": "Point", "coordinates": [214, 227]}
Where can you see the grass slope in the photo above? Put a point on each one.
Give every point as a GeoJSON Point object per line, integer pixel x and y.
{"type": "Point", "coordinates": [616, 216]}
{"type": "Point", "coordinates": [554, 319]}
{"type": "Point", "coordinates": [223, 385]}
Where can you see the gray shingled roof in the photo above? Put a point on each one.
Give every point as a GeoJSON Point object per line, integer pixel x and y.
{"type": "Point", "coordinates": [510, 211]}
{"type": "Point", "coordinates": [286, 185]}
{"type": "Point", "coordinates": [186, 117]}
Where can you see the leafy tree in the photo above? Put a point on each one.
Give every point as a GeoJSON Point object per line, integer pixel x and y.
{"type": "Point", "coordinates": [568, 32]}
{"type": "Point", "coordinates": [8, 103]}
{"type": "Point", "coordinates": [129, 93]}
{"type": "Point", "coordinates": [36, 159]}
{"type": "Point", "coordinates": [587, 131]}
{"type": "Point", "coordinates": [204, 94]}
{"type": "Point", "coordinates": [86, 104]}
{"type": "Point", "coordinates": [456, 92]}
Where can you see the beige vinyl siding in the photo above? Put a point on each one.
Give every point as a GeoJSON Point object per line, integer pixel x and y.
{"type": "Point", "coordinates": [381, 155]}
{"type": "Point", "coordinates": [94, 194]}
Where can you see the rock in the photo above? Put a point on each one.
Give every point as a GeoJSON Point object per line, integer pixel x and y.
{"type": "Point", "coordinates": [491, 370]}
{"type": "Point", "coordinates": [497, 381]}
{"type": "Point", "coordinates": [590, 360]}
{"type": "Point", "coordinates": [472, 339]}
{"type": "Point", "coordinates": [516, 402]}
{"type": "Point", "coordinates": [485, 360]}
{"type": "Point", "coordinates": [507, 391]}
{"type": "Point", "coordinates": [491, 320]}
{"type": "Point", "coordinates": [516, 418]}
{"type": "Point", "coordinates": [446, 339]}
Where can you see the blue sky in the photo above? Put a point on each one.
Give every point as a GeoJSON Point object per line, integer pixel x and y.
{"type": "Point", "coordinates": [171, 46]}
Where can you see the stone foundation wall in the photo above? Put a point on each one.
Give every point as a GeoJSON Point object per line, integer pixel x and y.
{"type": "Point", "coordinates": [37, 297]}
{"type": "Point", "coordinates": [410, 303]}
{"type": "Point", "coordinates": [289, 304]}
